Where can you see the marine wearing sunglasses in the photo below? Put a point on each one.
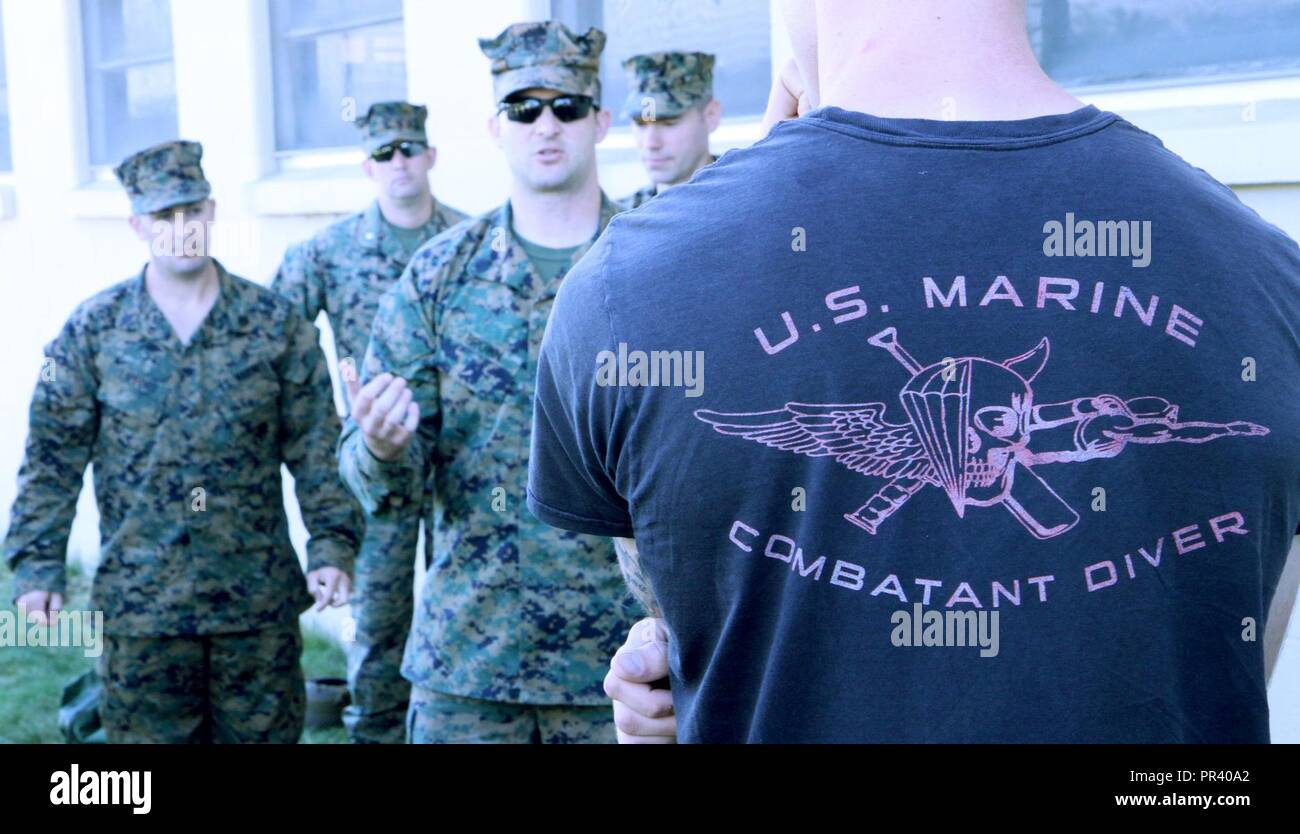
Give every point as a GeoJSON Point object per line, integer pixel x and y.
{"type": "Point", "coordinates": [528, 109]}
{"type": "Point", "coordinates": [408, 149]}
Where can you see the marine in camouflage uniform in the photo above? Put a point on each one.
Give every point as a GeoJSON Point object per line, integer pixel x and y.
{"type": "Point", "coordinates": [665, 85]}
{"type": "Point", "coordinates": [517, 620]}
{"type": "Point", "coordinates": [343, 271]}
{"type": "Point", "coordinates": [199, 584]}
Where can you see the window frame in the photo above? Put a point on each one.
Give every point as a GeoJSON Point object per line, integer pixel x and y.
{"type": "Point", "coordinates": [1193, 80]}
{"type": "Point", "coordinates": [323, 156]}
{"type": "Point", "coordinates": [6, 174]}
{"type": "Point", "coordinates": [93, 66]}
{"type": "Point", "coordinates": [1193, 115]}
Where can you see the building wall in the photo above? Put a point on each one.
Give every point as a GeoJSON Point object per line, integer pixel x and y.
{"type": "Point", "coordinates": [63, 232]}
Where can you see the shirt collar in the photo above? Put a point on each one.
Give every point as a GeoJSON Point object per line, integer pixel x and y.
{"type": "Point", "coordinates": [375, 234]}
{"type": "Point", "coordinates": [229, 314]}
{"type": "Point", "coordinates": [509, 264]}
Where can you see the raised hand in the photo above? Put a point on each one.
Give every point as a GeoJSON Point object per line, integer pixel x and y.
{"type": "Point", "coordinates": [386, 414]}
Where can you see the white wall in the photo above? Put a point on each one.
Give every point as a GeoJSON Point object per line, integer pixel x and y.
{"type": "Point", "coordinates": [63, 233]}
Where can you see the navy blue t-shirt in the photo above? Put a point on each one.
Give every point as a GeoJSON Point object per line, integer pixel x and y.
{"type": "Point", "coordinates": [940, 432]}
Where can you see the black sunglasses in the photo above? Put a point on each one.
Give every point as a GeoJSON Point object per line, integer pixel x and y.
{"type": "Point", "coordinates": [529, 110]}
{"type": "Point", "coordinates": [408, 149]}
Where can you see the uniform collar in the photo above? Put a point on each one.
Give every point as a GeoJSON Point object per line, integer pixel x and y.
{"type": "Point", "coordinates": [229, 314]}
{"type": "Point", "coordinates": [233, 311]}
{"type": "Point", "coordinates": [374, 232]}
{"type": "Point", "coordinates": [512, 266]}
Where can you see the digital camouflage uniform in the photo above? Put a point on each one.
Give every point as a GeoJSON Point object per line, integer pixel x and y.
{"type": "Point", "coordinates": [199, 584]}
{"type": "Point", "coordinates": [664, 85]}
{"type": "Point", "coordinates": [517, 620]}
{"type": "Point", "coordinates": [343, 271]}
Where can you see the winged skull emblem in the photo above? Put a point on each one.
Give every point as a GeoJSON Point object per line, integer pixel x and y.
{"type": "Point", "coordinates": [970, 426]}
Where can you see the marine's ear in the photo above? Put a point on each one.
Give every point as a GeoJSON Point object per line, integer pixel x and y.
{"type": "Point", "coordinates": [603, 120]}
{"type": "Point", "coordinates": [141, 224]}
{"type": "Point", "coordinates": [713, 114]}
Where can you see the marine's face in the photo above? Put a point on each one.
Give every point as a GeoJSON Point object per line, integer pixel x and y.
{"type": "Point", "coordinates": [673, 148]}
{"type": "Point", "coordinates": [178, 236]}
{"type": "Point", "coordinates": [548, 155]}
{"type": "Point", "coordinates": [401, 177]}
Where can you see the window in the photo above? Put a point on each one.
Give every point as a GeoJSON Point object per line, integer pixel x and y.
{"type": "Point", "coordinates": [6, 159]}
{"type": "Point", "coordinates": [738, 32]}
{"type": "Point", "coordinates": [333, 59]}
{"type": "Point", "coordinates": [1086, 43]}
{"type": "Point", "coordinates": [130, 76]}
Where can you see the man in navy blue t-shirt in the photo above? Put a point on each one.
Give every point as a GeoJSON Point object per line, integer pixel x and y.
{"type": "Point", "coordinates": [938, 426]}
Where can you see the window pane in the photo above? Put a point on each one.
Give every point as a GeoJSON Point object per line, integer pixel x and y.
{"type": "Point", "coordinates": [6, 160]}
{"type": "Point", "coordinates": [331, 13]}
{"type": "Point", "coordinates": [329, 53]}
{"type": "Point", "coordinates": [1092, 42]}
{"type": "Point", "coordinates": [130, 76]}
{"type": "Point", "coordinates": [738, 32]}
{"type": "Point", "coordinates": [134, 29]}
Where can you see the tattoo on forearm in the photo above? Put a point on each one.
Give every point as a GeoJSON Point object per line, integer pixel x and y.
{"type": "Point", "coordinates": [629, 561]}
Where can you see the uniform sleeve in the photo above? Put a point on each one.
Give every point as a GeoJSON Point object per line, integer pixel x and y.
{"type": "Point", "coordinates": [301, 281]}
{"type": "Point", "coordinates": [309, 429]}
{"type": "Point", "coordinates": [62, 427]}
{"type": "Point", "coordinates": [574, 456]}
{"type": "Point", "coordinates": [403, 342]}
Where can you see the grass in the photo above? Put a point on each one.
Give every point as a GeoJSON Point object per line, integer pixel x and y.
{"type": "Point", "coordinates": [32, 677]}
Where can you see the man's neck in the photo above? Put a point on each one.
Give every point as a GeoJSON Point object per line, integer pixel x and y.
{"type": "Point", "coordinates": [407, 214]}
{"type": "Point", "coordinates": [194, 289]}
{"type": "Point", "coordinates": [932, 59]}
{"type": "Point", "coordinates": [556, 219]}
{"type": "Point", "coordinates": [185, 300]}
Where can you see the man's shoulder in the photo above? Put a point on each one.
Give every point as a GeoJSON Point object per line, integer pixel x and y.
{"type": "Point", "coordinates": [339, 236]}
{"type": "Point", "coordinates": [637, 198]}
{"type": "Point", "coordinates": [449, 215]}
{"type": "Point", "coordinates": [262, 309]}
{"type": "Point", "coordinates": [1198, 210]}
{"type": "Point", "coordinates": [466, 230]}
{"type": "Point", "coordinates": [709, 211]}
{"type": "Point", "coordinates": [446, 256]}
{"type": "Point", "coordinates": [100, 311]}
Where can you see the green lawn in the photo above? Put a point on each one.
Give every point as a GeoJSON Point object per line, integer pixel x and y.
{"type": "Point", "coordinates": [32, 677]}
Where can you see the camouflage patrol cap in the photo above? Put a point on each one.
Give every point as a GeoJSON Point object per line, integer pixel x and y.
{"type": "Point", "coordinates": [673, 81]}
{"type": "Point", "coordinates": [545, 55]}
{"type": "Point", "coordinates": [392, 121]}
{"type": "Point", "coordinates": [163, 176]}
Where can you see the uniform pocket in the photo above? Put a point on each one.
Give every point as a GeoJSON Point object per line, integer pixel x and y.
{"type": "Point", "coordinates": [250, 397]}
{"type": "Point", "coordinates": [134, 396]}
{"type": "Point", "coordinates": [481, 336]}
{"type": "Point", "coordinates": [484, 374]}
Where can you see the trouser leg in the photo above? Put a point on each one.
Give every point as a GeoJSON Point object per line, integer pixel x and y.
{"type": "Point", "coordinates": [256, 688]}
{"type": "Point", "coordinates": [155, 690]}
{"type": "Point", "coordinates": [382, 606]}
{"type": "Point", "coordinates": [437, 718]}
